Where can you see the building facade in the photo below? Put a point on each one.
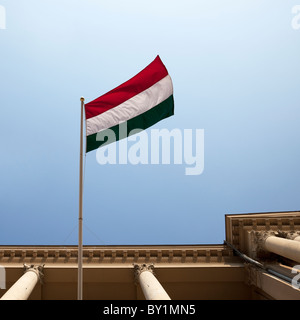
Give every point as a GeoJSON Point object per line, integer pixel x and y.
{"type": "Point", "coordinates": [259, 259]}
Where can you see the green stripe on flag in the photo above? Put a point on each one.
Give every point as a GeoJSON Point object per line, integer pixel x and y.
{"type": "Point", "coordinates": [143, 121]}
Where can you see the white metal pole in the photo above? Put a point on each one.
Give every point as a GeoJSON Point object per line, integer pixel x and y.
{"type": "Point", "coordinates": [80, 278]}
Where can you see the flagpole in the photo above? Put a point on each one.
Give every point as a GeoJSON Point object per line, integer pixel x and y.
{"type": "Point", "coordinates": [80, 279]}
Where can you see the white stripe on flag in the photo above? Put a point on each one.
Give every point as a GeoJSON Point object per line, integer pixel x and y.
{"type": "Point", "coordinates": [131, 108]}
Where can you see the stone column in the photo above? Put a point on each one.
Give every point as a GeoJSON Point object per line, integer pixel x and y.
{"type": "Point", "coordinates": [22, 289]}
{"type": "Point", "coordinates": [284, 247]}
{"type": "Point", "coordinates": [151, 287]}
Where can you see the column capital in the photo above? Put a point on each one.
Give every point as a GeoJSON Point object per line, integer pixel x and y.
{"type": "Point", "coordinates": [292, 235]}
{"type": "Point", "coordinates": [139, 268]}
{"type": "Point", "coordinates": [38, 269]}
{"type": "Point", "coordinates": [261, 236]}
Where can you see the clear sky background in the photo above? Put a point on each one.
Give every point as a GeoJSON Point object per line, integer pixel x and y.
{"type": "Point", "coordinates": [235, 70]}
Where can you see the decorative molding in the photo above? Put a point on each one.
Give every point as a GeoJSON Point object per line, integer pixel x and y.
{"type": "Point", "coordinates": [115, 254]}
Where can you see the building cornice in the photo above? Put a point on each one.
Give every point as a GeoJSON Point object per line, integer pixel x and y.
{"type": "Point", "coordinates": [121, 254]}
{"type": "Point", "coordinates": [237, 224]}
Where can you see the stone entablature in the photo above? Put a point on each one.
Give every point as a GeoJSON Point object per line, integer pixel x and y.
{"type": "Point", "coordinates": [241, 229]}
{"type": "Point", "coordinates": [117, 254]}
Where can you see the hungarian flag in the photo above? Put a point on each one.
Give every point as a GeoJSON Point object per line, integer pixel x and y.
{"type": "Point", "coordinates": [138, 103]}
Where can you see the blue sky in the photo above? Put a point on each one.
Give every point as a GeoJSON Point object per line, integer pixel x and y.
{"type": "Point", "coordinates": [235, 70]}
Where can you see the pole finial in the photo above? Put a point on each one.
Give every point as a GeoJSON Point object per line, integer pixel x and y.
{"type": "Point", "coordinates": [82, 99]}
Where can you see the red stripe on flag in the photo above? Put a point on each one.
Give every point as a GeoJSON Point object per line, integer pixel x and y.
{"type": "Point", "coordinates": [153, 73]}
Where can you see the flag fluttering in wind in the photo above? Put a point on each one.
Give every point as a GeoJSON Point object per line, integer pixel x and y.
{"type": "Point", "coordinates": [138, 103]}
